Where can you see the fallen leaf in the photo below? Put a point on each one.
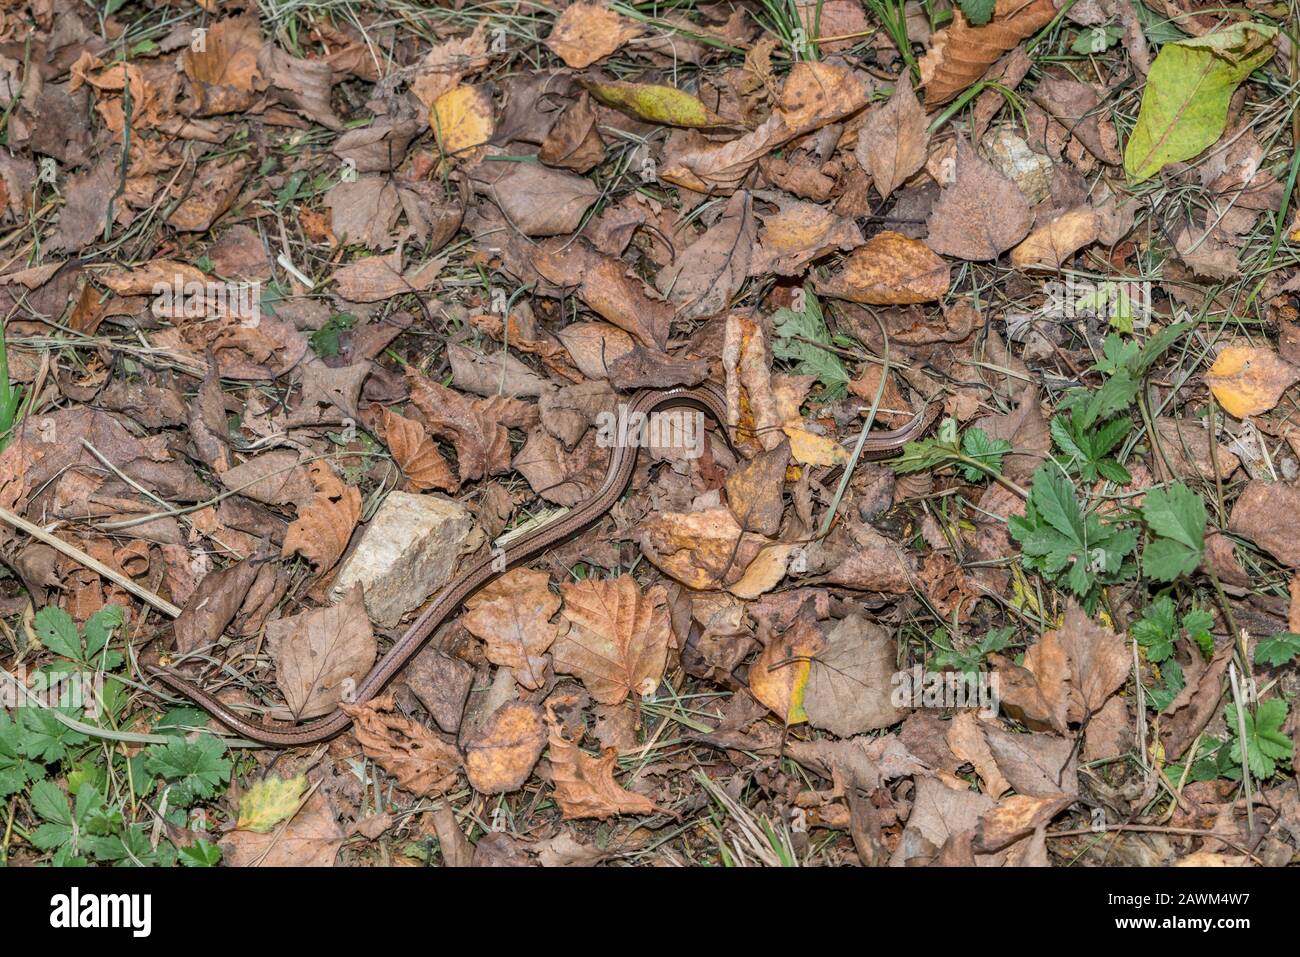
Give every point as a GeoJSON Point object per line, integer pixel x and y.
{"type": "Point", "coordinates": [500, 755]}
{"type": "Point", "coordinates": [849, 687]}
{"type": "Point", "coordinates": [311, 839]}
{"type": "Point", "coordinates": [1052, 244]}
{"type": "Point", "coordinates": [512, 615]}
{"type": "Point", "coordinates": [889, 270]}
{"type": "Point", "coordinates": [1248, 380]}
{"type": "Point", "coordinates": [322, 530]}
{"type": "Point", "coordinates": [1185, 101]}
{"type": "Point", "coordinates": [893, 141]}
{"type": "Point", "coordinates": [655, 103]}
{"type": "Point", "coordinates": [587, 32]}
{"type": "Point", "coordinates": [617, 643]}
{"type": "Point", "coordinates": [959, 54]}
{"type": "Point", "coordinates": [321, 655]}
{"type": "Point", "coordinates": [585, 786]}
{"type": "Point", "coordinates": [461, 119]}
{"type": "Point", "coordinates": [421, 762]}
{"type": "Point", "coordinates": [982, 214]}
{"type": "Point", "coordinates": [416, 455]}
{"type": "Point", "coordinates": [780, 676]}
{"type": "Point", "coordinates": [269, 801]}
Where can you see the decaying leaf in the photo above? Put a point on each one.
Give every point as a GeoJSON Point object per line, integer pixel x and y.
{"type": "Point", "coordinates": [893, 141]}
{"type": "Point", "coordinates": [889, 269]}
{"type": "Point", "coordinates": [959, 54]}
{"type": "Point", "coordinates": [501, 754]}
{"type": "Point", "coordinates": [618, 637]}
{"type": "Point", "coordinates": [1248, 380]}
{"type": "Point", "coordinates": [585, 786]}
{"type": "Point", "coordinates": [321, 655]}
{"type": "Point", "coordinates": [513, 616]}
{"type": "Point", "coordinates": [418, 759]}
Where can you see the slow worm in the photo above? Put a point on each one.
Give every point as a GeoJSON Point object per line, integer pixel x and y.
{"type": "Point", "coordinates": [706, 398]}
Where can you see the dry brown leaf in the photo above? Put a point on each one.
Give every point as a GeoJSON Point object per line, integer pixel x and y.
{"type": "Point", "coordinates": [893, 141]}
{"type": "Point", "coordinates": [1268, 514]}
{"type": "Point", "coordinates": [585, 786]}
{"type": "Point", "coordinates": [512, 614]}
{"type": "Point", "coordinates": [224, 73]}
{"type": "Point", "coordinates": [849, 689]}
{"type": "Point", "coordinates": [416, 455]}
{"type": "Point", "coordinates": [966, 741]}
{"type": "Point", "coordinates": [1052, 244]}
{"type": "Point", "coordinates": [449, 62]}
{"type": "Point", "coordinates": [323, 528]}
{"type": "Point", "coordinates": [1248, 380]}
{"type": "Point", "coordinates": [587, 32]}
{"type": "Point", "coordinates": [890, 270]}
{"type": "Point", "coordinates": [982, 214]}
{"type": "Point", "coordinates": [797, 234]}
{"type": "Point", "coordinates": [710, 271]}
{"type": "Point", "coordinates": [959, 54]}
{"type": "Point", "coordinates": [1017, 816]}
{"type": "Point", "coordinates": [617, 643]}
{"type": "Point", "coordinates": [421, 761]}
{"type": "Point", "coordinates": [814, 94]}
{"type": "Point", "coordinates": [321, 655]}
{"type": "Point", "coordinates": [477, 428]}
{"type": "Point", "coordinates": [607, 287]}
{"type": "Point", "coordinates": [500, 755]}
{"type": "Point", "coordinates": [376, 278]}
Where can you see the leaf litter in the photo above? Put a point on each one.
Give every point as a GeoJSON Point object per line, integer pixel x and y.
{"type": "Point", "coordinates": [281, 275]}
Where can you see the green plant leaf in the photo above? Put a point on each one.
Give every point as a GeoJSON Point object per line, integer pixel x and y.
{"type": "Point", "coordinates": [57, 631]}
{"type": "Point", "coordinates": [1177, 516]}
{"type": "Point", "coordinates": [1155, 630]}
{"type": "Point", "coordinates": [1274, 652]}
{"type": "Point", "coordinates": [796, 336]}
{"type": "Point", "coordinates": [1185, 103]}
{"type": "Point", "coordinates": [195, 768]}
{"type": "Point", "coordinates": [1265, 743]}
{"type": "Point", "coordinates": [978, 12]}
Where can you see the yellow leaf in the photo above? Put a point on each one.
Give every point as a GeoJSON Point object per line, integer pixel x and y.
{"type": "Point", "coordinates": [655, 104]}
{"type": "Point", "coordinates": [809, 449]}
{"type": "Point", "coordinates": [462, 119]}
{"type": "Point", "coordinates": [1248, 380]}
{"type": "Point", "coordinates": [270, 801]}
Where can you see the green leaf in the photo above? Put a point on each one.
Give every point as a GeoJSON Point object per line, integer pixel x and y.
{"type": "Point", "coordinates": [15, 769]}
{"type": "Point", "coordinates": [1155, 630]}
{"type": "Point", "coordinates": [1177, 516]}
{"type": "Point", "coordinates": [978, 12]}
{"type": "Point", "coordinates": [1197, 623]}
{"type": "Point", "coordinates": [793, 328]}
{"type": "Point", "coordinates": [200, 854]}
{"type": "Point", "coordinates": [44, 737]}
{"type": "Point", "coordinates": [977, 445]}
{"type": "Point", "coordinates": [194, 768]}
{"type": "Point", "coordinates": [58, 632]}
{"type": "Point", "coordinates": [100, 627]}
{"type": "Point", "coordinates": [1096, 40]}
{"type": "Point", "coordinates": [655, 103]}
{"type": "Point", "coordinates": [1265, 742]}
{"type": "Point", "coordinates": [1274, 652]}
{"type": "Point", "coordinates": [1185, 103]}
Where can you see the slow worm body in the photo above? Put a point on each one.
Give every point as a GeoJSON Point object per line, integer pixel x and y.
{"type": "Point", "coordinates": [623, 459]}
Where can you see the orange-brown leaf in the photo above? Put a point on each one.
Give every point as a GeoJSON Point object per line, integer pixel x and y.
{"type": "Point", "coordinates": [416, 455]}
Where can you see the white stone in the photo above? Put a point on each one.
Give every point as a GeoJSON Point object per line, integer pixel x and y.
{"type": "Point", "coordinates": [407, 552]}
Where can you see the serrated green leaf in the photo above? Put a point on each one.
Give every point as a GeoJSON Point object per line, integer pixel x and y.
{"type": "Point", "coordinates": [1155, 630]}
{"type": "Point", "coordinates": [1275, 651]}
{"type": "Point", "coordinates": [978, 12]}
{"type": "Point", "coordinates": [195, 768]}
{"type": "Point", "coordinates": [56, 630]}
{"type": "Point", "coordinates": [1265, 742]}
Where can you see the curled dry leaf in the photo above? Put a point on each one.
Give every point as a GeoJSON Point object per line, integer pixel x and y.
{"type": "Point", "coordinates": [959, 54]}
{"type": "Point", "coordinates": [797, 234]}
{"type": "Point", "coordinates": [421, 762]}
{"type": "Point", "coordinates": [655, 103]}
{"type": "Point", "coordinates": [501, 753]}
{"type": "Point", "coordinates": [712, 269]}
{"type": "Point", "coordinates": [617, 643]}
{"type": "Point", "coordinates": [1248, 380]}
{"type": "Point", "coordinates": [587, 32]}
{"type": "Point", "coordinates": [416, 455]}
{"type": "Point", "coordinates": [893, 141]}
{"type": "Point", "coordinates": [585, 786]}
{"type": "Point", "coordinates": [814, 94]}
{"type": "Point", "coordinates": [321, 655]}
{"type": "Point", "coordinates": [324, 527]}
{"type": "Point", "coordinates": [890, 270]}
{"type": "Point", "coordinates": [513, 616]}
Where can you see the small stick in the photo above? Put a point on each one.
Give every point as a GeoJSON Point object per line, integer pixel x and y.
{"type": "Point", "coordinates": [41, 535]}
